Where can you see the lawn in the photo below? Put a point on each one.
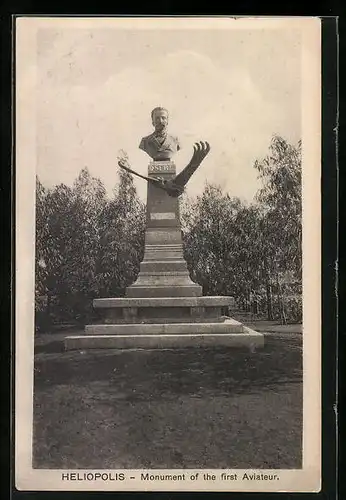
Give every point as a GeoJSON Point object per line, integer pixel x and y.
{"type": "Point", "coordinates": [189, 408]}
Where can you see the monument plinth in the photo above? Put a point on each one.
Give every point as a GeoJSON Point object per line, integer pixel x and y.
{"type": "Point", "coordinates": [163, 271]}
{"type": "Point", "coordinates": [164, 308]}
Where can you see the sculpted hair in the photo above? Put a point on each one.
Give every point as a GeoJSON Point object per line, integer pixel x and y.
{"type": "Point", "coordinates": [159, 108]}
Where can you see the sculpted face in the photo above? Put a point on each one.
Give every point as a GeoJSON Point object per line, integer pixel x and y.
{"type": "Point", "coordinates": [160, 120]}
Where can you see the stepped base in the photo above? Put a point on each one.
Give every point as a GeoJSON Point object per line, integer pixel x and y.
{"type": "Point", "coordinates": [163, 310]}
{"type": "Point", "coordinates": [227, 326]}
{"type": "Point", "coordinates": [95, 338]}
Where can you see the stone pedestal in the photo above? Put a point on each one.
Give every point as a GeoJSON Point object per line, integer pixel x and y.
{"type": "Point", "coordinates": [164, 308]}
{"type": "Point", "coordinates": [163, 272]}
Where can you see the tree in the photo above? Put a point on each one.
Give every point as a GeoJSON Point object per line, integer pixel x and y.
{"type": "Point", "coordinates": [122, 237]}
{"type": "Point", "coordinates": [88, 206]}
{"type": "Point", "coordinates": [217, 232]}
{"type": "Point", "coordinates": [251, 250]}
{"type": "Point", "coordinates": [281, 220]}
{"type": "Point", "coordinates": [67, 231]}
{"type": "Point", "coordinates": [41, 233]}
{"type": "Point", "coordinates": [87, 245]}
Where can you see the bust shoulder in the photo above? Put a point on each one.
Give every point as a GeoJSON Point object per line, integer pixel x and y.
{"type": "Point", "coordinates": [148, 137]}
{"type": "Point", "coordinates": [160, 150]}
{"type": "Point", "coordinates": [147, 141]}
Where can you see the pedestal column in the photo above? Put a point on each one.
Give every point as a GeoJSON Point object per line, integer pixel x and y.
{"type": "Point", "coordinates": [163, 271]}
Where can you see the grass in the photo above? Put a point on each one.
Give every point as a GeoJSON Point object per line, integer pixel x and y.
{"type": "Point", "coordinates": [191, 408]}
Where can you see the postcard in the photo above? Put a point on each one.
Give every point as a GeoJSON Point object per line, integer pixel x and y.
{"type": "Point", "coordinates": [168, 254]}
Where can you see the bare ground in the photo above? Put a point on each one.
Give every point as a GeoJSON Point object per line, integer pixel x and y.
{"type": "Point", "coordinates": [189, 408]}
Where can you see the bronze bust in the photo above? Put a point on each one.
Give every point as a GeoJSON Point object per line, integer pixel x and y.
{"type": "Point", "coordinates": [159, 145]}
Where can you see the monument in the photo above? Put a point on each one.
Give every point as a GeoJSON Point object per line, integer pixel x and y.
{"type": "Point", "coordinates": [164, 308]}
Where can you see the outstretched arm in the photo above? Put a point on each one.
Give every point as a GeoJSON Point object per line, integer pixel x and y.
{"type": "Point", "coordinates": [200, 151]}
{"type": "Point", "coordinates": [122, 164]}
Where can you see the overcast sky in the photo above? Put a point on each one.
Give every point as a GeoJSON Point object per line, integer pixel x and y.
{"type": "Point", "coordinates": [233, 88]}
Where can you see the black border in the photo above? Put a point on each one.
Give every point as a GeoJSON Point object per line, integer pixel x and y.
{"type": "Point", "coordinates": [341, 279]}
{"type": "Point", "coordinates": [7, 256]}
{"type": "Point", "coordinates": [329, 253]}
{"type": "Point", "coordinates": [329, 257]}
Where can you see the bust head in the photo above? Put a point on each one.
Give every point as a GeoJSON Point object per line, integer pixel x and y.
{"type": "Point", "coordinates": [159, 145]}
{"type": "Point", "coordinates": [159, 118]}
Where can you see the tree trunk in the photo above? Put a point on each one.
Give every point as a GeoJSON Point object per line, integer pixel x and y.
{"type": "Point", "coordinates": [269, 296]}
{"type": "Point", "coordinates": [269, 300]}
{"type": "Point", "coordinates": [281, 302]}
{"type": "Point", "coordinates": [49, 303]}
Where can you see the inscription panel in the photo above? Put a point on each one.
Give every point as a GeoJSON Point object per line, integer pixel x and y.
{"type": "Point", "coordinates": [161, 167]}
{"type": "Point", "coordinates": [162, 215]}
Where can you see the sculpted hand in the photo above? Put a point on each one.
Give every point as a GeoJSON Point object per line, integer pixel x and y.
{"type": "Point", "coordinates": [200, 151]}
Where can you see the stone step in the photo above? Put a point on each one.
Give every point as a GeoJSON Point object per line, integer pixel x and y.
{"type": "Point", "coordinates": [162, 274]}
{"type": "Point", "coordinates": [160, 252]}
{"type": "Point", "coordinates": [228, 326]}
{"type": "Point", "coordinates": [165, 280]}
{"type": "Point", "coordinates": [151, 319]}
{"type": "Point", "coordinates": [205, 301]}
{"type": "Point", "coordinates": [162, 236]}
{"type": "Point", "coordinates": [163, 255]}
{"type": "Point", "coordinates": [164, 291]}
{"type": "Point", "coordinates": [249, 339]}
{"type": "Point", "coordinates": [164, 266]}
{"type": "Point", "coordinates": [167, 246]}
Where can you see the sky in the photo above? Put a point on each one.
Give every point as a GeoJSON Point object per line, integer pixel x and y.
{"type": "Point", "coordinates": [97, 86]}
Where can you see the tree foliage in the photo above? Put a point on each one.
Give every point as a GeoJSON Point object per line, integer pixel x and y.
{"type": "Point", "coordinates": [86, 244]}
{"type": "Point", "coordinates": [122, 238]}
{"type": "Point", "coordinates": [252, 251]}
